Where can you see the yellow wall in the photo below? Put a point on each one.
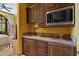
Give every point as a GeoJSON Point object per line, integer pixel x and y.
{"type": "Point", "coordinates": [22, 25]}
{"type": "Point", "coordinates": [66, 30]}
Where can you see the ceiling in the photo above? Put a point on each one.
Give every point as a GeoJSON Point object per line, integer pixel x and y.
{"type": "Point", "coordinates": [11, 5]}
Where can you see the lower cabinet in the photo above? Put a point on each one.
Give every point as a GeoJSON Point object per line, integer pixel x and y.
{"type": "Point", "coordinates": [55, 49]}
{"type": "Point", "coordinates": [26, 47]}
{"type": "Point", "coordinates": [29, 47]}
{"type": "Point", "coordinates": [33, 47]}
{"type": "Point", "coordinates": [42, 48]}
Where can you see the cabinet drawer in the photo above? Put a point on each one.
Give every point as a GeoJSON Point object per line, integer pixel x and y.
{"type": "Point", "coordinates": [42, 44]}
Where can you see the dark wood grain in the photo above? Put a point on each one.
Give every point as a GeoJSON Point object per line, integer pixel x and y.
{"type": "Point", "coordinates": [43, 46]}
{"type": "Point", "coordinates": [36, 12]}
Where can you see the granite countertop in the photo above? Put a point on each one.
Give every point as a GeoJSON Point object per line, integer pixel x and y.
{"type": "Point", "coordinates": [51, 40]}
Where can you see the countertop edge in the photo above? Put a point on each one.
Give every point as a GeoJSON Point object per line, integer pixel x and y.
{"type": "Point", "coordinates": [51, 40]}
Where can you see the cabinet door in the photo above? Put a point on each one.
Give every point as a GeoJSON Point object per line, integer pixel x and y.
{"type": "Point", "coordinates": [61, 5]}
{"type": "Point", "coordinates": [41, 15]}
{"type": "Point", "coordinates": [32, 48]}
{"type": "Point", "coordinates": [34, 14]}
{"type": "Point", "coordinates": [55, 50]}
{"type": "Point", "coordinates": [42, 48]}
{"type": "Point", "coordinates": [26, 46]}
{"type": "Point", "coordinates": [29, 15]}
{"type": "Point", "coordinates": [60, 50]}
{"type": "Point", "coordinates": [69, 51]}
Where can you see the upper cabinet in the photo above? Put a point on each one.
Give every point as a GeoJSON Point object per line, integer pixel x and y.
{"type": "Point", "coordinates": [36, 13]}
{"type": "Point", "coordinates": [61, 5]}
{"type": "Point", "coordinates": [50, 6]}
{"type": "Point", "coordinates": [41, 15]}
{"type": "Point", "coordinates": [60, 50]}
{"type": "Point", "coordinates": [32, 13]}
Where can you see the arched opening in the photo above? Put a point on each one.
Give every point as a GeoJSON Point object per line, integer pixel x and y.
{"type": "Point", "coordinates": [3, 24]}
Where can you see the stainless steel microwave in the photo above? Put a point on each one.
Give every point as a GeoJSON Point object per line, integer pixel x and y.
{"type": "Point", "coordinates": [62, 16]}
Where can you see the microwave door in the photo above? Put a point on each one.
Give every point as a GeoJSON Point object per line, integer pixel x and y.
{"type": "Point", "coordinates": [60, 17]}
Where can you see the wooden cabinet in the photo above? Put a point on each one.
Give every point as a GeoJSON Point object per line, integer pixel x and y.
{"type": "Point", "coordinates": [41, 15]}
{"type": "Point", "coordinates": [53, 6]}
{"type": "Point", "coordinates": [26, 47]}
{"type": "Point", "coordinates": [61, 5]}
{"type": "Point", "coordinates": [32, 14]}
{"type": "Point", "coordinates": [35, 47]}
{"type": "Point", "coordinates": [49, 6]}
{"type": "Point", "coordinates": [42, 48]}
{"type": "Point", "coordinates": [29, 16]}
{"type": "Point", "coordinates": [29, 47]}
{"type": "Point", "coordinates": [36, 13]}
{"type": "Point", "coordinates": [56, 49]}
{"type": "Point", "coordinates": [32, 48]}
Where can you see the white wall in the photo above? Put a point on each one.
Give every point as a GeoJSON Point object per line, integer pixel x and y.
{"type": "Point", "coordinates": [76, 28]}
